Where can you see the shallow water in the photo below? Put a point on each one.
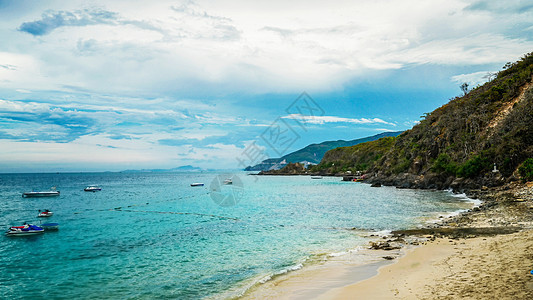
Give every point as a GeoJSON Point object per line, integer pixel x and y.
{"type": "Point", "coordinates": [151, 235]}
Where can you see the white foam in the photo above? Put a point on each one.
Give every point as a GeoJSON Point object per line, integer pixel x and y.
{"type": "Point", "coordinates": [383, 233]}
{"type": "Point", "coordinates": [265, 279]}
{"type": "Point", "coordinates": [281, 272]}
{"type": "Point", "coordinates": [462, 196]}
{"type": "Point", "coordinates": [337, 254]}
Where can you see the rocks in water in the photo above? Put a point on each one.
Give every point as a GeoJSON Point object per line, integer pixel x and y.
{"type": "Point", "coordinates": [389, 257]}
{"type": "Point", "coordinates": [383, 246]}
{"type": "Point", "coordinates": [376, 184]}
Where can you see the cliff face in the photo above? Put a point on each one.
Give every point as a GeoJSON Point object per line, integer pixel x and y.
{"type": "Point", "coordinates": [457, 144]}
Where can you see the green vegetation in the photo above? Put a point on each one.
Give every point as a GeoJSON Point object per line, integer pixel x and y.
{"type": "Point", "coordinates": [473, 167]}
{"type": "Point", "coordinates": [444, 164]}
{"type": "Point", "coordinates": [491, 124]}
{"type": "Point", "coordinates": [526, 170]}
{"type": "Point", "coordinates": [355, 158]}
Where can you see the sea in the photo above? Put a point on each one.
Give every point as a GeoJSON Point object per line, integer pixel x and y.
{"type": "Point", "coordinates": [154, 236]}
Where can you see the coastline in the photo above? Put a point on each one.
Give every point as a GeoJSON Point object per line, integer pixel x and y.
{"type": "Point", "coordinates": [477, 268]}
{"type": "Point", "coordinates": [463, 256]}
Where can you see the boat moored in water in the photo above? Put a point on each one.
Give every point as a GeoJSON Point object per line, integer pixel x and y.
{"type": "Point", "coordinates": [24, 230]}
{"type": "Point", "coordinates": [45, 213]}
{"type": "Point", "coordinates": [50, 226]}
{"type": "Point", "coordinates": [40, 194]}
{"type": "Point", "coordinates": [92, 188]}
{"type": "Point", "coordinates": [197, 184]}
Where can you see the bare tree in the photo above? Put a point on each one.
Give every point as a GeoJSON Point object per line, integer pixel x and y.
{"type": "Point", "coordinates": [464, 88]}
{"type": "Point", "coordinates": [490, 76]}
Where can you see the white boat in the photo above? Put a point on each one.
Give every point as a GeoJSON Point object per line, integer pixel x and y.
{"type": "Point", "coordinates": [92, 188]}
{"type": "Point", "coordinates": [24, 230]}
{"type": "Point", "coordinates": [45, 213]}
{"type": "Point", "coordinates": [41, 194]}
{"type": "Point", "coordinates": [228, 181]}
{"type": "Point", "coordinates": [197, 184]}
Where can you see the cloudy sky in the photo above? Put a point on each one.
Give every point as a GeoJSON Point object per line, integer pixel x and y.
{"type": "Point", "coordinates": [112, 85]}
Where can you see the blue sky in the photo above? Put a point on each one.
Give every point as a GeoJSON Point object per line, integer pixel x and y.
{"type": "Point", "coordinates": [113, 85]}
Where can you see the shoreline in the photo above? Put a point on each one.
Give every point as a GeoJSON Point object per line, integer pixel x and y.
{"type": "Point", "coordinates": [502, 212]}
{"type": "Point", "coordinates": [476, 268]}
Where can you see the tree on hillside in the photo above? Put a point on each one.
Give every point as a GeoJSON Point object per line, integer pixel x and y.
{"type": "Point", "coordinates": [464, 88]}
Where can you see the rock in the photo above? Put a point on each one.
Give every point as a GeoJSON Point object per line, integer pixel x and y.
{"type": "Point", "coordinates": [383, 246]}
{"type": "Point", "coordinates": [376, 184]}
{"type": "Point", "coordinates": [388, 257]}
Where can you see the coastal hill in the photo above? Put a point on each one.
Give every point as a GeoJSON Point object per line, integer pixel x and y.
{"type": "Point", "coordinates": [483, 137]}
{"type": "Point", "coordinates": [313, 153]}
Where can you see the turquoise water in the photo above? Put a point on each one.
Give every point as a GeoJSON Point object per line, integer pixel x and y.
{"type": "Point", "coordinates": [151, 235]}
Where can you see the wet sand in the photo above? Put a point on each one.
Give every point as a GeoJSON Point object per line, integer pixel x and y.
{"type": "Point", "coordinates": [495, 267]}
{"type": "Point", "coordinates": [316, 279]}
{"type": "Point", "coordinates": [492, 267]}
{"type": "Point", "coordinates": [464, 259]}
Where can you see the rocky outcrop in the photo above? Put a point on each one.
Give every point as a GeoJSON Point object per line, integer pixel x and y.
{"type": "Point", "coordinates": [289, 169]}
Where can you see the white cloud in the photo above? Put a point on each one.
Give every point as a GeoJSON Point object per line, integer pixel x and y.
{"type": "Point", "coordinates": [248, 46]}
{"type": "Point", "coordinates": [121, 77]}
{"type": "Point", "coordinates": [333, 119]}
{"type": "Point", "coordinates": [474, 79]}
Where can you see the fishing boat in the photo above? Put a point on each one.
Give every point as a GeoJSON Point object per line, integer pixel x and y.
{"type": "Point", "coordinates": [45, 213]}
{"type": "Point", "coordinates": [197, 184]}
{"type": "Point", "coordinates": [92, 188]}
{"type": "Point", "coordinates": [50, 226]}
{"type": "Point", "coordinates": [40, 194]}
{"type": "Point", "coordinates": [24, 230]}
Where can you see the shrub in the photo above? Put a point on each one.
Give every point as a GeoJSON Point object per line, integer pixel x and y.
{"type": "Point", "coordinates": [401, 166]}
{"type": "Point", "coordinates": [473, 167]}
{"type": "Point", "coordinates": [444, 164]}
{"type": "Point", "coordinates": [526, 170]}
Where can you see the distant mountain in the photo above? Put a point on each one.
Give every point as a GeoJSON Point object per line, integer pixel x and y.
{"type": "Point", "coordinates": [187, 168]}
{"type": "Point", "coordinates": [313, 153]}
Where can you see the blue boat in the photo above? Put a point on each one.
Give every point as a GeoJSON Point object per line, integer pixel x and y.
{"type": "Point", "coordinates": [26, 229]}
{"type": "Point", "coordinates": [50, 226]}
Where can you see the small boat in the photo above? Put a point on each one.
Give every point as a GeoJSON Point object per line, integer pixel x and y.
{"type": "Point", "coordinates": [228, 181]}
{"type": "Point", "coordinates": [92, 188]}
{"type": "Point", "coordinates": [26, 229]}
{"type": "Point", "coordinates": [316, 177]}
{"type": "Point", "coordinates": [40, 194]}
{"type": "Point", "coordinates": [45, 213]}
{"type": "Point", "coordinates": [359, 179]}
{"type": "Point", "coordinates": [197, 184]}
{"type": "Point", "coordinates": [50, 226]}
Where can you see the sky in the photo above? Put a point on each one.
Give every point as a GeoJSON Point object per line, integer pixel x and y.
{"type": "Point", "coordinates": [114, 85]}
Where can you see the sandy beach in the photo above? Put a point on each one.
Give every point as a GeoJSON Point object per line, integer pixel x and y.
{"type": "Point", "coordinates": [449, 265]}
{"type": "Point", "coordinates": [479, 268]}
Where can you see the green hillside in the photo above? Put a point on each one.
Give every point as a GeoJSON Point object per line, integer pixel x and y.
{"type": "Point", "coordinates": [313, 153]}
{"type": "Point", "coordinates": [458, 143]}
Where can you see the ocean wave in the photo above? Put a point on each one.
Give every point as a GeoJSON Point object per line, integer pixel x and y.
{"type": "Point", "coordinates": [461, 196]}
